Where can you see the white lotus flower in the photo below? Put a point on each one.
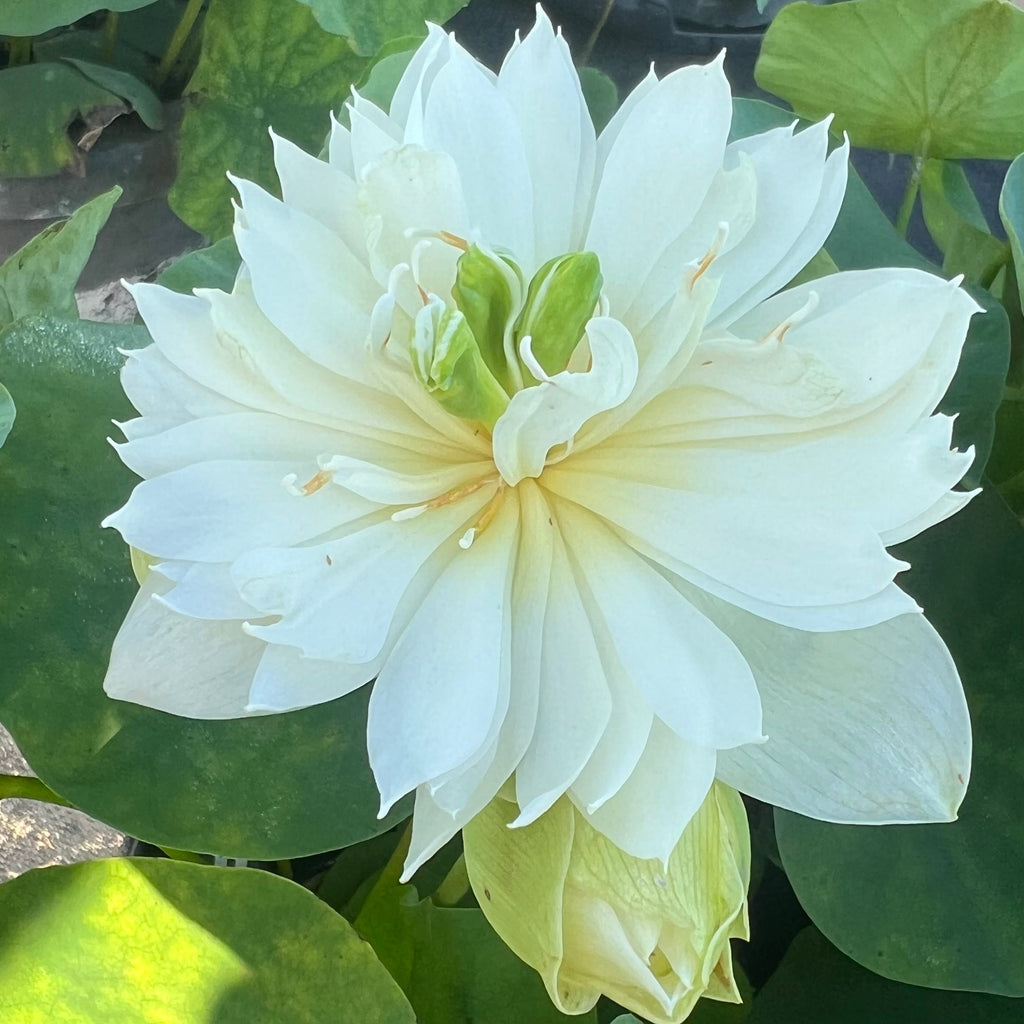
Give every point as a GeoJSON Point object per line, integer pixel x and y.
{"type": "Point", "coordinates": [665, 559]}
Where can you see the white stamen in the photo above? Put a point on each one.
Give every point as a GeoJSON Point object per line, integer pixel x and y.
{"type": "Point", "coordinates": [777, 333]}
{"type": "Point", "coordinates": [466, 540]}
{"type": "Point", "coordinates": [408, 513]}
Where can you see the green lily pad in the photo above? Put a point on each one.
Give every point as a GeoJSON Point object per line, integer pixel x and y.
{"type": "Point", "coordinates": [41, 276]}
{"type": "Point", "coordinates": [212, 267]}
{"type": "Point", "coordinates": [957, 225]}
{"type": "Point", "coordinates": [264, 788]}
{"type": "Point", "coordinates": [601, 94]}
{"type": "Point", "coordinates": [816, 984]}
{"type": "Point", "coordinates": [164, 942]}
{"type": "Point", "coordinates": [39, 102]}
{"type": "Point", "coordinates": [1011, 212]}
{"type": "Point", "coordinates": [32, 18]}
{"type": "Point", "coordinates": [131, 89]}
{"type": "Point", "coordinates": [942, 905]}
{"type": "Point", "coordinates": [908, 76]}
{"type": "Point", "coordinates": [863, 237]}
{"type": "Point", "coordinates": [369, 26]}
{"type": "Point", "coordinates": [263, 64]}
{"type": "Point", "coordinates": [449, 961]}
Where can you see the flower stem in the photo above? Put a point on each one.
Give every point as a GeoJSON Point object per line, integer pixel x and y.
{"type": "Point", "coordinates": [29, 788]}
{"type": "Point", "coordinates": [109, 35]}
{"type": "Point", "coordinates": [455, 885]}
{"type": "Point", "coordinates": [588, 46]}
{"type": "Point", "coordinates": [178, 40]}
{"type": "Point", "coordinates": [910, 196]}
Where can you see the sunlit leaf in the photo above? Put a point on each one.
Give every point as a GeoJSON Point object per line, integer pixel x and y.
{"type": "Point", "coordinates": [263, 64]}
{"type": "Point", "coordinates": [263, 788]}
{"type": "Point", "coordinates": [941, 905]}
{"type": "Point", "coordinates": [164, 942]}
{"type": "Point", "coordinates": [909, 76]}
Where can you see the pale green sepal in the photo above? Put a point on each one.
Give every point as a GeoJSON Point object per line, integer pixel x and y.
{"type": "Point", "coordinates": [593, 920]}
{"type": "Point", "coordinates": [562, 297]}
{"type": "Point", "coordinates": [483, 292]}
{"type": "Point", "coordinates": [447, 361]}
{"type": "Point", "coordinates": [142, 564]}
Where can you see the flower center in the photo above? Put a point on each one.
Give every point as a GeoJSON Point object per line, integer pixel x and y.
{"type": "Point", "coordinates": [470, 352]}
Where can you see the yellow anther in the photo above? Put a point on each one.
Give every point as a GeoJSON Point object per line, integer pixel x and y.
{"type": "Point", "coordinates": [712, 254]}
{"type": "Point", "coordinates": [456, 240]}
{"type": "Point", "coordinates": [455, 494]}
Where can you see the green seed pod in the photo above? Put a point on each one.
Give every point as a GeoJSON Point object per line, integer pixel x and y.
{"type": "Point", "coordinates": [560, 300]}
{"type": "Point", "coordinates": [448, 363]}
{"type": "Point", "coordinates": [483, 294]}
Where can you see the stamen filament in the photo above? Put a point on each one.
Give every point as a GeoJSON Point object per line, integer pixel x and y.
{"type": "Point", "coordinates": [456, 494]}
{"type": "Point", "coordinates": [488, 514]}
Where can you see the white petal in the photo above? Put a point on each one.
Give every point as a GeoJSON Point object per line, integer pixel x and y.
{"type": "Point", "coordinates": [373, 133]}
{"type": "Point", "coordinates": [690, 673]}
{"type": "Point", "coordinates": [876, 331]}
{"type": "Point", "coordinates": [286, 681]}
{"type": "Point", "coordinates": [648, 814]}
{"type": "Point", "coordinates": [232, 436]}
{"type": "Point", "coordinates": [540, 417]}
{"type": "Point", "coordinates": [320, 190]}
{"type": "Point", "coordinates": [541, 85]}
{"type": "Point", "coordinates": [432, 825]}
{"type": "Point", "coordinates": [434, 700]}
{"type": "Point", "coordinates": [575, 704]}
{"type": "Point", "coordinates": [466, 117]}
{"type": "Point", "coordinates": [881, 482]}
{"type": "Point", "coordinates": [410, 94]}
{"type": "Point", "coordinates": [289, 254]}
{"type": "Point", "coordinates": [214, 511]}
{"type": "Point", "coordinates": [203, 591]}
{"type": "Point", "coordinates": [409, 189]}
{"type": "Point", "coordinates": [946, 506]}
{"type": "Point", "coordinates": [387, 486]}
{"type": "Point", "coordinates": [337, 600]}
{"type": "Point", "coordinates": [195, 668]}
{"type": "Point", "coordinates": [866, 726]}
{"type": "Point", "coordinates": [799, 193]}
{"type": "Point", "coordinates": [772, 555]}
{"type": "Point", "coordinates": [164, 395]}
{"type": "Point", "coordinates": [339, 148]}
{"type": "Point", "coordinates": [657, 172]}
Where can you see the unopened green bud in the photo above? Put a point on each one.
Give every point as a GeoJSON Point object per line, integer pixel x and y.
{"type": "Point", "coordinates": [448, 363]}
{"type": "Point", "coordinates": [559, 302]}
{"type": "Point", "coordinates": [484, 295]}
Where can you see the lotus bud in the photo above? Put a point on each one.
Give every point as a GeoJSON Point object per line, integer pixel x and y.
{"type": "Point", "coordinates": [561, 299]}
{"type": "Point", "coordinates": [448, 363]}
{"type": "Point", "coordinates": [592, 920]}
{"type": "Point", "coordinates": [483, 291]}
